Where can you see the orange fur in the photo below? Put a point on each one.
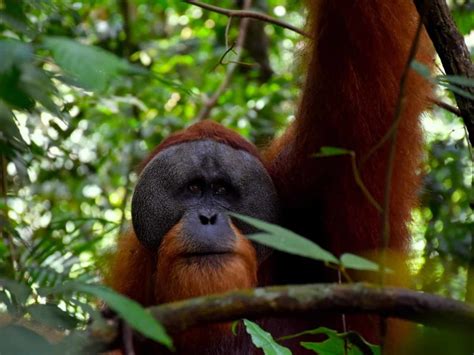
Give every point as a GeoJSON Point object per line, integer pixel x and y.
{"type": "Point", "coordinates": [348, 101]}
{"type": "Point", "coordinates": [179, 278]}
{"type": "Point", "coordinates": [132, 269]}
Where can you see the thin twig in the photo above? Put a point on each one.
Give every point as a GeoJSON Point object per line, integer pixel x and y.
{"type": "Point", "coordinates": [360, 183]}
{"type": "Point", "coordinates": [7, 237]}
{"type": "Point", "coordinates": [212, 101]}
{"type": "Point", "coordinates": [393, 133]}
{"type": "Point", "coordinates": [248, 14]}
{"type": "Point", "coordinates": [358, 179]}
{"type": "Point", "coordinates": [393, 144]}
{"type": "Point", "coordinates": [470, 267]}
{"type": "Point", "coordinates": [124, 6]}
{"type": "Point", "coordinates": [447, 107]}
{"type": "Point", "coordinates": [127, 338]}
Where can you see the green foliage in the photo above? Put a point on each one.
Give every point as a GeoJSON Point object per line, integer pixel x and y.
{"type": "Point", "coordinates": [91, 67]}
{"type": "Point", "coordinates": [136, 316]}
{"type": "Point", "coordinates": [82, 101]}
{"type": "Point", "coordinates": [462, 12]}
{"type": "Point", "coordinates": [285, 240]}
{"type": "Point", "coordinates": [337, 343]}
{"type": "Point", "coordinates": [264, 340]}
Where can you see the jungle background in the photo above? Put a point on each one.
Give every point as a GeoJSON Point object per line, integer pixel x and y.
{"type": "Point", "coordinates": [88, 87]}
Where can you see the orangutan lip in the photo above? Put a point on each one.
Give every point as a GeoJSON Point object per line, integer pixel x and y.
{"type": "Point", "coordinates": [207, 254]}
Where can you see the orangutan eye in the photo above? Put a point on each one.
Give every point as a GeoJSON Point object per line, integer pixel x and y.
{"type": "Point", "coordinates": [195, 188]}
{"type": "Point", "coordinates": [220, 189]}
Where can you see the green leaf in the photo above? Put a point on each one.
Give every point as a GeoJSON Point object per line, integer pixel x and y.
{"type": "Point", "coordinates": [351, 261]}
{"type": "Point", "coordinates": [91, 67]}
{"type": "Point", "coordinates": [264, 340]}
{"type": "Point", "coordinates": [456, 79]}
{"type": "Point", "coordinates": [135, 315]}
{"type": "Point", "coordinates": [14, 53]}
{"type": "Point", "coordinates": [7, 122]}
{"type": "Point", "coordinates": [332, 151]}
{"type": "Point", "coordinates": [19, 290]}
{"type": "Point", "coordinates": [333, 345]}
{"type": "Point", "coordinates": [335, 342]}
{"type": "Point", "coordinates": [421, 69]}
{"type": "Point", "coordinates": [360, 343]}
{"type": "Point", "coordinates": [285, 240]}
{"type": "Point", "coordinates": [52, 316]}
{"type": "Point", "coordinates": [457, 90]}
{"type": "Point", "coordinates": [15, 339]}
{"type": "Point", "coordinates": [463, 16]}
{"type": "Point", "coordinates": [234, 327]}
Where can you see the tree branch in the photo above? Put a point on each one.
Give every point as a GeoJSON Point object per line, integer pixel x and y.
{"type": "Point", "coordinates": [446, 106]}
{"type": "Point", "coordinates": [210, 103]}
{"type": "Point", "coordinates": [456, 59]}
{"type": "Point", "coordinates": [453, 52]}
{"type": "Point", "coordinates": [248, 14]}
{"type": "Point", "coordinates": [310, 301]}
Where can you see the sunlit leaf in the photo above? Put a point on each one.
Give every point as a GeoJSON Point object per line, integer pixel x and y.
{"type": "Point", "coordinates": [91, 67]}
{"type": "Point", "coordinates": [351, 261]}
{"type": "Point", "coordinates": [19, 290]}
{"type": "Point", "coordinates": [264, 340]}
{"type": "Point", "coordinates": [135, 315]}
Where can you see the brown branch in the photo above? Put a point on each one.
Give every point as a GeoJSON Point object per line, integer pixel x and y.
{"type": "Point", "coordinates": [248, 14]}
{"type": "Point", "coordinates": [231, 67]}
{"type": "Point", "coordinates": [125, 10]}
{"type": "Point", "coordinates": [127, 338]}
{"type": "Point", "coordinates": [453, 52]}
{"type": "Point", "coordinates": [304, 301]}
{"type": "Point", "coordinates": [446, 107]}
{"type": "Point", "coordinates": [6, 235]}
{"type": "Point", "coordinates": [310, 301]}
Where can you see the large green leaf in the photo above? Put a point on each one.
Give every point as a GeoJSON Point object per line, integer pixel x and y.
{"type": "Point", "coordinates": [351, 261]}
{"type": "Point", "coordinates": [15, 339]}
{"type": "Point", "coordinates": [285, 240]}
{"type": "Point", "coordinates": [135, 315]}
{"type": "Point", "coordinates": [91, 67]}
{"type": "Point", "coordinates": [264, 340]}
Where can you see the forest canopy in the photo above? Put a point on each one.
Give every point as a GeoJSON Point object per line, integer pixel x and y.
{"type": "Point", "coordinates": [89, 87]}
